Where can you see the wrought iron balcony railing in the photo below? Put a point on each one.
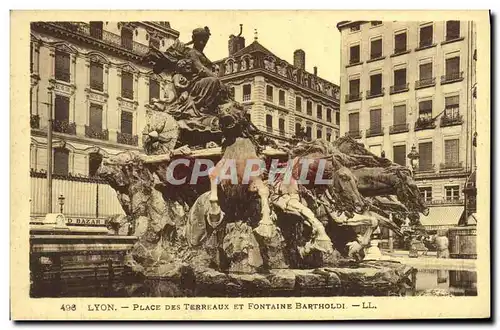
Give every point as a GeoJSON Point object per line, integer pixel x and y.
{"type": "Point", "coordinates": [128, 93]}
{"type": "Point", "coordinates": [96, 133]}
{"type": "Point", "coordinates": [399, 88]}
{"type": "Point", "coordinates": [401, 50]}
{"type": "Point", "coordinates": [451, 166]}
{"type": "Point", "coordinates": [375, 93]}
{"type": "Point", "coordinates": [269, 98]}
{"type": "Point", "coordinates": [35, 121]}
{"type": "Point", "coordinates": [444, 201]}
{"type": "Point", "coordinates": [97, 85]}
{"type": "Point", "coordinates": [125, 138]}
{"type": "Point", "coordinates": [64, 126]}
{"type": "Point", "coordinates": [62, 75]}
{"type": "Point", "coordinates": [105, 36]}
{"type": "Point", "coordinates": [398, 128]}
{"type": "Point", "coordinates": [353, 97]}
{"type": "Point", "coordinates": [375, 131]}
{"type": "Point", "coordinates": [354, 134]}
{"type": "Point", "coordinates": [451, 120]}
{"type": "Point", "coordinates": [353, 61]}
{"type": "Point", "coordinates": [247, 97]}
{"type": "Point", "coordinates": [428, 82]}
{"type": "Point", "coordinates": [452, 77]}
{"type": "Point", "coordinates": [424, 123]}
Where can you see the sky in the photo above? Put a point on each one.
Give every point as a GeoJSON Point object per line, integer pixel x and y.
{"type": "Point", "coordinates": [280, 32]}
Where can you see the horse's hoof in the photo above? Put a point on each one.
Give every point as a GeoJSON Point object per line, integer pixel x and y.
{"type": "Point", "coordinates": [266, 230]}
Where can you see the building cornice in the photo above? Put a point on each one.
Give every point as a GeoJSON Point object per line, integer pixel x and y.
{"type": "Point", "coordinates": [346, 24]}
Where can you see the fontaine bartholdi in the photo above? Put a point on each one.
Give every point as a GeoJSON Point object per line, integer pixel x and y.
{"type": "Point", "coordinates": [214, 202]}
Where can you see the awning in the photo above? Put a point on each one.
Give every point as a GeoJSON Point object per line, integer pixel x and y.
{"type": "Point", "coordinates": [442, 216]}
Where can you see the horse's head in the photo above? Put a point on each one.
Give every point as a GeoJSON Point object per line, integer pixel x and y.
{"type": "Point", "coordinates": [345, 185]}
{"type": "Point", "coordinates": [412, 194]}
{"type": "Point", "coordinates": [231, 115]}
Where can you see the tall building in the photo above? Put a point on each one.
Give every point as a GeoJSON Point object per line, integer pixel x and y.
{"type": "Point", "coordinates": [412, 84]}
{"type": "Point", "coordinates": [91, 77]}
{"type": "Point", "coordinates": [283, 98]}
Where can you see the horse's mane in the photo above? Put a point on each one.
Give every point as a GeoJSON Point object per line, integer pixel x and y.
{"type": "Point", "coordinates": [315, 146]}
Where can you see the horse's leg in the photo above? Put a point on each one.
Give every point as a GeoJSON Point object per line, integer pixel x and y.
{"type": "Point", "coordinates": [266, 226]}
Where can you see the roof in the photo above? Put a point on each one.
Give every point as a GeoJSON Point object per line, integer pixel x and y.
{"type": "Point", "coordinates": [442, 216]}
{"type": "Point", "coordinates": [344, 24]}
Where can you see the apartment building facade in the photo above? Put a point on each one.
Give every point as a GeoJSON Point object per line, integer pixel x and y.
{"type": "Point", "coordinates": [412, 85]}
{"type": "Point", "coordinates": [282, 98]}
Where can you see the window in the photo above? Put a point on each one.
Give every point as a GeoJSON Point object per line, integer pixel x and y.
{"type": "Point", "coordinates": [376, 120]}
{"type": "Point", "coordinates": [452, 68]}
{"type": "Point", "coordinates": [376, 23]}
{"type": "Point", "coordinates": [309, 108]}
{"type": "Point", "coordinates": [376, 84]}
{"type": "Point", "coordinates": [61, 109]}
{"type": "Point", "coordinates": [399, 155]}
{"type": "Point", "coordinates": [451, 153]}
{"type": "Point", "coordinates": [127, 38]}
{"type": "Point", "coordinates": [426, 193]}
{"type": "Point", "coordinates": [452, 193]}
{"type": "Point", "coordinates": [96, 117]}
{"type": "Point", "coordinates": [400, 43]}
{"type": "Point", "coordinates": [426, 36]}
{"type": "Point", "coordinates": [425, 72]}
{"type": "Point", "coordinates": [61, 161]}
{"type": "Point", "coordinates": [425, 152]}
{"type": "Point", "coordinates": [269, 93]}
{"type": "Point", "coordinates": [298, 103]}
{"type": "Point", "coordinates": [154, 89]}
{"type": "Point", "coordinates": [232, 90]}
{"type": "Point", "coordinates": [281, 97]}
{"type": "Point", "coordinates": [400, 79]}
{"type": "Point", "coordinates": [154, 43]}
{"type": "Point", "coordinates": [281, 126]}
{"type": "Point", "coordinates": [355, 27]}
{"type": "Point", "coordinates": [269, 123]}
{"type": "Point", "coordinates": [31, 57]}
{"type": "Point", "coordinates": [62, 66]}
{"type": "Point", "coordinates": [298, 128]}
{"type": "Point", "coordinates": [319, 133]}
{"type": "Point", "coordinates": [354, 88]}
{"type": "Point", "coordinates": [309, 132]}
{"type": "Point", "coordinates": [96, 29]}
{"type": "Point", "coordinates": [354, 122]}
{"type": "Point", "coordinates": [376, 49]}
{"type": "Point", "coordinates": [329, 137]}
{"type": "Point", "coordinates": [451, 106]}
{"type": "Point", "coordinates": [425, 109]}
{"type": "Point", "coordinates": [247, 92]}
{"type": "Point", "coordinates": [399, 115]}
{"type": "Point", "coordinates": [354, 55]}
{"type": "Point", "coordinates": [452, 30]}
{"type": "Point", "coordinates": [96, 76]}
{"type": "Point", "coordinates": [126, 122]}
{"type": "Point", "coordinates": [329, 115]}
{"type": "Point", "coordinates": [127, 85]}
{"type": "Point", "coordinates": [95, 160]}
{"type": "Point", "coordinates": [337, 117]}
{"type": "Point", "coordinates": [319, 111]}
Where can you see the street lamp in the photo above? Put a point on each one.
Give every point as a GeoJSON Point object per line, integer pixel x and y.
{"type": "Point", "coordinates": [61, 202]}
{"type": "Point", "coordinates": [413, 156]}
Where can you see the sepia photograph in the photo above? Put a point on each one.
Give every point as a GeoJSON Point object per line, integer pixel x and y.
{"type": "Point", "coordinates": [305, 159]}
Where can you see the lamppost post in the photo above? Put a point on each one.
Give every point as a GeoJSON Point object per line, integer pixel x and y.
{"type": "Point", "coordinates": [61, 202]}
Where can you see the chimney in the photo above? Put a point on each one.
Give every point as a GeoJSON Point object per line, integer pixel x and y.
{"type": "Point", "coordinates": [236, 43]}
{"type": "Point", "coordinates": [299, 59]}
{"type": "Point", "coordinates": [315, 70]}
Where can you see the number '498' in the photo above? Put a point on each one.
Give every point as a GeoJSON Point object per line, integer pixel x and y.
{"type": "Point", "coordinates": [68, 307]}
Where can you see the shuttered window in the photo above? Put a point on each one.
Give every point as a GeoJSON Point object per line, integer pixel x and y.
{"type": "Point", "coordinates": [62, 71]}
{"type": "Point", "coordinates": [376, 84]}
{"type": "Point", "coordinates": [452, 30]}
{"type": "Point", "coordinates": [354, 87]}
{"type": "Point", "coordinates": [399, 155]}
{"type": "Point", "coordinates": [127, 85]}
{"type": "Point", "coordinates": [400, 115]}
{"type": "Point", "coordinates": [354, 122]}
{"type": "Point", "coordinates": [452, 107]}
{"type": "Point", "coordinates": [126, 122]}
{"type": "Point", "coordinates": [376, 120]}
{"type": "Point", "coordinates": [425, 108]}
{"type": "Point", "coordinates": [426, 36]}
{"type": "Point", "coordinates": [451, 150]}
{"type": "Point", "coordinates": [376, 49]}
{"type": "Point", "coordinates": [96, 76]}
{"type": "Point", "coordinates": [425, 71]}
{"type": "Point", "coordinates": [61, 108]}
{"type": "Point", "coordinates": [400, 77]}
{"type": "Point", "coordinates": [298, 103]}
{"type": "Point", "coordinates": [452, 66]}
{"type": "Point", "coordinates": [61, 161]}
{"type": "Point", "coordinates": [96, 117]}
{"type": "Point", "coordinates": [354, 54]}
{"type": "Point", "coordinates": [425, 152]}
{"type": "Point", "coordinates": [400, 43]}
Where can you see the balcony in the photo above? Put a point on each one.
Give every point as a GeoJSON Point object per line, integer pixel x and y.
{"type": "Point", "coordinates": [269, 129]}
{"type": "Point", "coordinates": [269, 98]}
{"type": "Point", "coordinates": [452, 77]}
{"type": "Point", "coordinates": [375, 93]}
{"type": "Point", "coordinates": [375, 131]}
{"type": "Point", "coordinates": [423, 83]}
{"type": "Point", "coordinates": [354, 134]}
{"type": "Point", "coordinates": [424, 123]}
{"type": "Point", "coordinates": [97, 85]}
{"type": "Point", "coordinates": [400, 51]}
{"type": "Point", "coordinates": [96, 133]}
{"type": "Point", "coordinates": [93, 33]}
{"type": "Point", "coordinates": [353, 97]}
{"type": "Point", "coordinates": [451, 120]}
{"type": "Point", "coordinates": [247, 97]}
{"type": "Point", "coordinates": [424, 44]}
{"type": "Point", "coordinates": [62, 75]}
{"type": "Point", "coordinates": [375, 57]}
{"type": "Point", "coordinates": [399, 88]}
{"type": "Point", "coordinates": [452, 38]}
{"type": "Point", "coordinates": [454, 166]}
{"type": "Point", "coordinates": [64, 126]}
{"type": "Point", "coordinates": [35, 121]}
{"type": "Point", "coordinates": [125, 138]}
{"type": "Point", "coordinates": [282, 132]}
{"type": "Point", "coordinates": [449, 201]}
{"type": "Point", "coordinates": [354, 61]}
{"type": "Point", "coordinates": [398, 128]}
{"type": "Point", "coordinates": [282, 103]}
{"type": "Point", "coordinates": [128, 93]}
